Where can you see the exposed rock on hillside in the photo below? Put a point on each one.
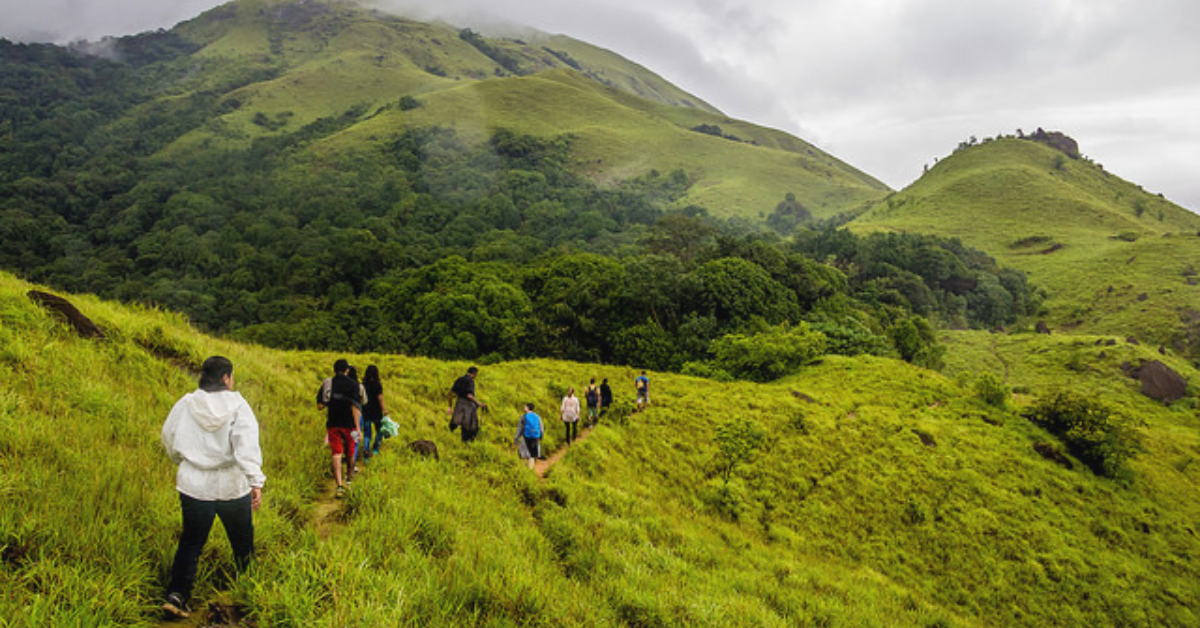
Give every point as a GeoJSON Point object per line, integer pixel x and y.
{"type": "Point", "coordinates": [63, 308]}
{"type": "Point", "coordinates": [1161, 382]}
{"type": "Point", "coordinates": [1058, 140]}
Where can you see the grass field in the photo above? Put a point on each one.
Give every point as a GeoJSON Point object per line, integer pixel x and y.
{"type": "Point", "coordinates": [883, 494]}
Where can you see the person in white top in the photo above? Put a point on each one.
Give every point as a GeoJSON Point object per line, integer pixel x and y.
{"type": "Point", "coordinates": [570, 414]}
{"type": "Point", "coordinates": [212, 435]}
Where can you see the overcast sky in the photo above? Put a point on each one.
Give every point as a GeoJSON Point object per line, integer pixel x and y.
{"type": "Point", "coordinates": [885, 85]}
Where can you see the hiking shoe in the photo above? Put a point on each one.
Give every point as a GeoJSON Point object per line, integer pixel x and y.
{"type": "Point", "coordinates": [339, 492]}
{"type": "Point", "coordinates": [176, 607]}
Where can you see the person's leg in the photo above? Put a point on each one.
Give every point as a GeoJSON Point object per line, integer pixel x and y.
{"type": "Point", "coordinates": [365, 451]}
{"type": "Point", "coordinates": [238, 520]}
{"type": "Point", "coordinates": [378, 437]}
{"type": "Point", "coordinates": [337, 469]}
{"type": "Point", "coordinates": [197, 523]}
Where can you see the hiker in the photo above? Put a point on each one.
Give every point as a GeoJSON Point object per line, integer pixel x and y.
{"type": "Point", "coordinates": [340, 397]}
{"type": "Point", "coordinates": [606, 398]}
{"type": "Point", "coordinates": [570, 414]}
{"type": "Point", "coordinates": [211, 433]}
{"type": "Point", "coordinates": [529, 436]}
{"type": "Point", "coordinates": [373, 413]}
{"type": "Point", "coordinates": [464, 413]}
{"type": "Point", "coordinates": [591, 397]}
{"type": "Point", "coordinates": [642, 384]}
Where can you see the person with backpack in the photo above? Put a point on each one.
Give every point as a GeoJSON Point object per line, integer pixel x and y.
{"type": "Point", "coordinates": [591, 397]}
{"type": "Point", "coordinates": [212, 435]}
{"type": "Point", "coordinates": [464, 411]}
{"type": "Point", "coordinates": [642, 384]}
{"type": "Point", "coordinates": [529, 436]}
{"type": "Point", "coordinates": [373, 413]}
{"type": "Point", "coordinates": [340, 397]}
{"type": "Point", "coordinates": [570, 414]}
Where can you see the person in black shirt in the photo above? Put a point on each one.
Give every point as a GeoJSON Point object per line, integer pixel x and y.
{"type": "Point", "coordinates": [339, 396]}
{"type": "Point", "coordinates": [606, 398]}
{"type": "Point", "coordinates": [373, 412]}
{"type": "Point", "coordinates": [464, 411]}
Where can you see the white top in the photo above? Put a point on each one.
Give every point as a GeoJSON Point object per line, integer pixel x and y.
{"type": "Point", "coordinates": [570, 409]}
{"type": "Point", "coordinates": [213, 437]}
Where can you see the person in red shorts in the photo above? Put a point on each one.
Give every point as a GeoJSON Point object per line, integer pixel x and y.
{"type": "Point", "coordinates": [340, 397]}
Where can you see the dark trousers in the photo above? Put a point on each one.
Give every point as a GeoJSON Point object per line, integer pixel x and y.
{"type": "Point", "coordinates": [572, 430]}
{"type": "Point", "coordinates": [237, 519]}
{"type": "Point", "coordinates": [469, 435]}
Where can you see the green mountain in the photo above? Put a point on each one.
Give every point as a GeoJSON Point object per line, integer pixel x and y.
{"type": "Point", "coordinates": [279, 65]}
{"type": "Point", "coordinates": [1111, 257]}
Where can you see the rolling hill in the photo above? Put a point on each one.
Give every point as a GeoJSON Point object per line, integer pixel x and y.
{"type": "Point", "coordinates": [279, 65]}
{"type": "Point", "coordinates": [1113, 258]}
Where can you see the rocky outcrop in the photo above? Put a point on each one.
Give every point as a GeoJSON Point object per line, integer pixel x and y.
{"type": "Point", "coordinates": [1058, 140]}
{"type": "Point", "coordinates": [63, 308]}
{"type": "Point", "coordinates": [1161, 382]}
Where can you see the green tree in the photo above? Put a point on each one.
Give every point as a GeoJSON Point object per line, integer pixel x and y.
{"type": "Point", "coordinates": [769, 354]}
{"type": "Point", "coordinates": [737, 441]}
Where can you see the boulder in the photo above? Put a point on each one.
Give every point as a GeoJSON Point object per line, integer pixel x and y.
{"type": "Point", "coordinates": [1161, 382]}
{"type": "Point", "coordinates": [425, 448]}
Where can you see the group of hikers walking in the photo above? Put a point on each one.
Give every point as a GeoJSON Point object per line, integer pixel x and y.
{"type": "Point", "coordinates": [354, 419]}
{"type": "Point", "coordinates": [212, 435]}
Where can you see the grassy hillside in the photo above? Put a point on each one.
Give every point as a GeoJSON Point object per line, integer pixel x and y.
{"type": "Point", "coordinates": [1113, 258]}
{"type": "Point", "coordinates": [883, 494]}
{"type": "Point", "coordinates": [279, 66]}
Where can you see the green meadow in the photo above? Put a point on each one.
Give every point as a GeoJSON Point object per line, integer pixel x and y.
{"type": "Point", "coordinates": [881, 494]}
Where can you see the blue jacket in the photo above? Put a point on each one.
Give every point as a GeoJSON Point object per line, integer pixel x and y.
{"type": "Point", "coordinates": [531, 425]}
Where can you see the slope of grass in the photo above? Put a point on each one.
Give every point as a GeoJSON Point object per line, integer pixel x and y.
{"type": "Point", "coordinates": [1113, 258]}
{"type": "Point", "coordinates": [283, 65]}
{"type": "Point", "coordinates": [884, 495]}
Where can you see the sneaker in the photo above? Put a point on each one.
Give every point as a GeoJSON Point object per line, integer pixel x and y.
{"type": "Point", "coordinates": [338, 493]}
{"type": "Point", "coordinates": [176, 607]}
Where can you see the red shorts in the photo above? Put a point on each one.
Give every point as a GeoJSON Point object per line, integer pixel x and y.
{"type": "Point", "coordinates": [340, 441]}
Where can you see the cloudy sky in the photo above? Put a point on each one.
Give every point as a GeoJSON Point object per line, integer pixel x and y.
{"type": "Point", "coordinates": [886, 85]}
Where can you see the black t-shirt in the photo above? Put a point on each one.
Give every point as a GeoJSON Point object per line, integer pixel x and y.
{"type": "Point", "coordinates": [372, 409]}
{"type": "Point", "coordinates": [343, 397]}
{"type": "Point", "coordinates": [464, 386]}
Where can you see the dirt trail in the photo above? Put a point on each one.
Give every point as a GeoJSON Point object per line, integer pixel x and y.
{"type": "Point", "coordinates": [542, 467]}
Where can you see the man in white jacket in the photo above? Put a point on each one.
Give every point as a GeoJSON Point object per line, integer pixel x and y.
{"type": "Point", "coordinates": [212, 435]}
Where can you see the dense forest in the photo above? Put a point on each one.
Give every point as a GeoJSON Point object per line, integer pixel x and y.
{"type": "Point", "coordinates": [440, 245]}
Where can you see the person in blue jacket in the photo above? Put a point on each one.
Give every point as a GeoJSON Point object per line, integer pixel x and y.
{"type": "Point", "coordinates": [529, 436]}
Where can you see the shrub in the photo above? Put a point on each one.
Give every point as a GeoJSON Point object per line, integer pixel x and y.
{"type": "Point", "coordinates": [705, 370]}
{"type": "Point", "coordinates": [990, 390]}
{"type": "Point", "coordinates": [738, 439]}
{"type": "Point", "coordinates": [1091, 431]}
{"type": "Point", "coordinates": [770, 354]}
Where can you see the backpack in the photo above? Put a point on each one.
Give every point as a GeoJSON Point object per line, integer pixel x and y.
{"type": "Point", "coordinates": [593, 396]}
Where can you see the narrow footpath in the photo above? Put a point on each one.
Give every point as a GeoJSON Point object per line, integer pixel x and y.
{"type": "Point", "coordinates": [542, 467]}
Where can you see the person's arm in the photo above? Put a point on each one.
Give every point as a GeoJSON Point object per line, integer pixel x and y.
{"type": "Point", "coordinates": [170, 427]}
{"type": "Point", "coordinates": [382, 408]}
{"type": "Point", "coordinates": [243, 435]}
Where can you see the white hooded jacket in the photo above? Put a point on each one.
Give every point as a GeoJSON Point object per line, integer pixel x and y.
{"type": "Point", "coordinates": [213, 437]}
